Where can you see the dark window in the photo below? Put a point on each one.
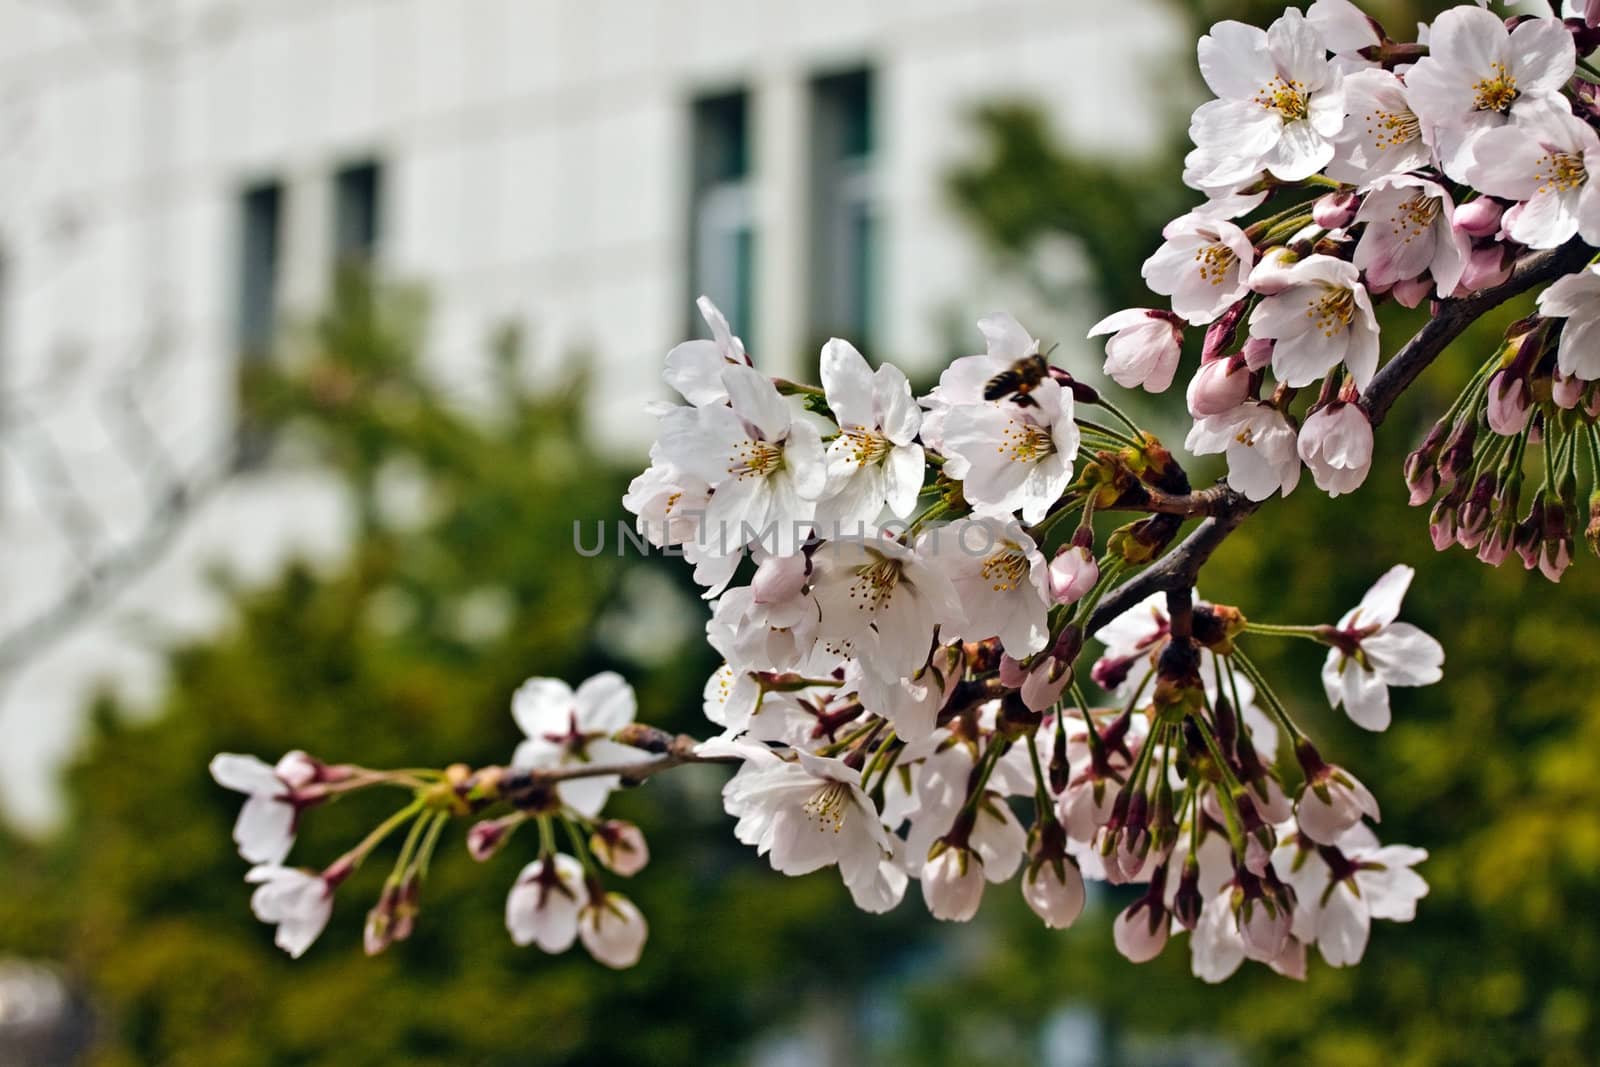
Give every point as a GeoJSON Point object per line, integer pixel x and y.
{"type": "Point", "coordinates": [357, 212]}
{"type": "Point", "coordinates": [721, 213]}
{"type": "Point", "coordinates": [260, 252]}
{"type": "Point", "coordinates": [260, 263]}
{"type": "Point", "coordinates": [843, 247]}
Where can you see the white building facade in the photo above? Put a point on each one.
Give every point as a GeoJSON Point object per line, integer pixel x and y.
{"type": "Point", "coordinates": [177, 178]}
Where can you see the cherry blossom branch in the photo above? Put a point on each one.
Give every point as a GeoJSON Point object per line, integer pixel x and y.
{"type": "Point", "coordinates": [1226, 509]}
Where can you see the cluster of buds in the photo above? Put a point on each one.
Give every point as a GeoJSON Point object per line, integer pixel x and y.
{"type": "Point", "coordinates": [1517, 409]}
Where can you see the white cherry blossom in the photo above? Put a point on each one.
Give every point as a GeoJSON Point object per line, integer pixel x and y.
{"type": "Point", "coordinates": [880, 603]}
{"type": "Point", "coordinates": [764, 464]}
{"type": "Point", "coordinates": [543, 905]}
{"type": "Point", "coordinates": [1144, 348]}
{"type": "Point", "coordinates": [1001, 581]}
{"type": "Point", "coordinates": [1373, 652]}
{"type": "Point", "coordinates": [1011, 456]}
{"type": "Point", "coordinates": [1203, 265]}
{"type": "Point", "coordinates": [876, 460]}
{"type": "Point", "coordinates": [807, 815]}
{"type": "Point", "coordinates": [1336, 445]}
{"type": "Point", "coordinates": [1278, 106]}
{"type": "Point", "coordinates": [1410, 233]}
{"type": "Point", "coordinates": [265, 828]}
{"type": "Point", "coordinates": [1381, 134]}
{"type": "Point", "coordinates": [298, 902]}
{"type": "Point", "coordinates": [1478, 75]}
{"type": "Point", "coordinates": [694, 368]}
{"type": "Point", "coordinates": [1546, 162]}
{"type": "Point", "coordinates": [567, 728]}
{"type": "Point", "coordinates": [1576, 298]}
{"type": "Point", "coordinates": [1340, 890]}
{"type": "Point", "coordinates": [1318, 313]}
{"type": "Point", "coordinates": [1260, 446]}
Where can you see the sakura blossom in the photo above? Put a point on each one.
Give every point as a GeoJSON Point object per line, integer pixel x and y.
{"type": "Point", "coordinates": [1382, 135]}
{"type": "Point", "coordinates": [875, 461]}
{"type": "Point", "coordinates": [1372, 652]}
{"type": "Point", "coordinates": [1336, 446]}
{"type": "Point", "coordinates": [1410, 233]}
{"type": "Point", "coordinates": [1260, 446]}
{"type": "Point", "coordinates": [1318, 313]}
{"type": "Point", "coordinates": [265, 828]}
{"type": "Point", "coordinates": [764, 464]}
{"type": "Point", "coordinates": [299, 903]}
{"type": "Point", "coordinates": [1576, 299]}
{"type": "Point", "coordinates": [1012, 457]}
{"type": "Point", "coordinates": [1203, 265]}
{"type": "Point", "coordinates": [1279, 103]}
{"type": "Point", "coordinates": [1144, 348]}
{"type": "Point", "coordinates": [1543, 162]}
{"type": "Point", "coordinates": [543, 906]}
{"type": "Point", "coordinates": [566, 726]}
{"type": "Point", "coordinates": [1478, 76]}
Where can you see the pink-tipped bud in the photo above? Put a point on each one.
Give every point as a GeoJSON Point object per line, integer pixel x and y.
{"type": "Point", "coordinates": [1073, 573]}
{"type": "Point", "coordinates": [620, 847]}
{"type": "Point", "coordinates": [1271, 274]}
{"type": "Point", "coordinates": [1486, 267]}
{"type": "Point", "coordinates": [1409, 292]}
{"type": "Point", "coordinates": [1218, 386]}
{"type": "Point", "coordinates": [486, 838]}
{"type": "Point", "coordinates": [1510, 403]}
{"type": "Point", "coordinates": [1442, 525]}
{"type": "Point", "coordinates": [1257, 352]}
{"type": "Point", "coordinates": [1478, 218]}
{"type": "Point", "coordinates": [1566, 391]}
{"type": "Point", "coordinates": [1335, 211]}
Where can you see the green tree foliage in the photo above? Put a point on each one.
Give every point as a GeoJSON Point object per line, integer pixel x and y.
{"type": "Point", "coordinates": [406, 654]}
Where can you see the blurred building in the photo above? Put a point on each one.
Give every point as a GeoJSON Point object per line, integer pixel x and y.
{"type": "Point", "coordinates": [178, 179]}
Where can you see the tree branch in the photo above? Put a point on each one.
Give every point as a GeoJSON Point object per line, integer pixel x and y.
{"type": "Point", "coordinates": [1227, 509]}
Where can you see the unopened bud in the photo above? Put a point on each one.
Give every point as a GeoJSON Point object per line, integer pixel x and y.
{"type": "Point", "coordinates": [1478, 218]}
{"type": "Point", "coordinates": [1218, 386]}
{"type": "Point", "coordinates": [1336, 210]}
{"type": "Point", "coordinates": [486, 838]}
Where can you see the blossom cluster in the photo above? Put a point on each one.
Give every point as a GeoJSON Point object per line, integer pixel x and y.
{"type": "Point", "coordinates": [1426, 170]}
{"type": "Point", "coordinates": [903, 589]}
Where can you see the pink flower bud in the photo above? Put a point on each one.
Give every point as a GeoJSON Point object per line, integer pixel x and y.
{"type": "Point", "coordinates": [1566, 391]}
{"type": "Point", "coordinates": [1478, 218]}
{"type": "Point", "coordinates": [1257, 352]}
{"type": "Point", "coordinates": [620, 847]}
{"type": "Point", "coordinates": [1144, 347]}
{"type": "Point", "coordinates": [952, 882]}
{"type": "Point", "coordinates": [486, 838]}
{"type": "Point", "coordinates": [779, 579]}
{"type": "Point", "coordinates": [1271, 274]}
{"type": "Point", "coordinates": [1510, 403]}
{"type": "Point", "coordinates": [1410, 292]}
{"type": "Point", "coordinates": [1218, 386]}
{"type": "Point", "coordinates": [1072, 574]}
{"type": "Point", "coordinates": [1334, 211]}
{"type": "Point", "coordinates": [1336, 444]}
{"type": "Point", "coordinates": [1487, 266]}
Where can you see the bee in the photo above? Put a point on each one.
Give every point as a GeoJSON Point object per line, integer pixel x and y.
{"type": "Point", "coordinates": [1021, 378]}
